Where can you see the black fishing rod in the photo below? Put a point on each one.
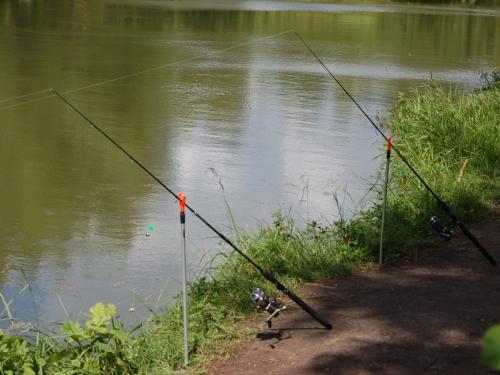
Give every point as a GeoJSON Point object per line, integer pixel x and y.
{"type": "Point", "coordinates": [440, 202]}
{"type": "Point", "coordinates": [266, 274]}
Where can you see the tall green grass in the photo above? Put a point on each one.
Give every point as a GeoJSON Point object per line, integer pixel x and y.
{"type": "Point", "coordinates": [218, 302]}
{"type": "Point", "coordinates": [437, 129]}
{"type": "Point", "coordinates": [452, 139]}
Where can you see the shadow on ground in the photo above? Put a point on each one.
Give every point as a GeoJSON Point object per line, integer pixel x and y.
{"type": "Point", "coordinates": [423, 316]}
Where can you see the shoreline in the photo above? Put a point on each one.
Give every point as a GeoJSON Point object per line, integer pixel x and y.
{"type": "Point", "coordinates": [220, 304]}
{"type": "Point", "coordinates": [420, 314]}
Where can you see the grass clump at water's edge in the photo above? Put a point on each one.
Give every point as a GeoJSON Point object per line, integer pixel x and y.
{"type": "Point", "coordinates": [218, 303]}
{"type": "Point", "coordinates": [452, 139]}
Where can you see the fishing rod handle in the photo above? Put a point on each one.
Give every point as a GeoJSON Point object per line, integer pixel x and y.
{"type": "Point", "coordinates": [269, 276]}
{"type": "Point", "coordinates": [468, 233]}
{"type": "Point", "coordinates": [182, 207]}
{"type": "Point", "coordinates": [475, 241]}
{"type": "Point", "coordinates": [389, 147]}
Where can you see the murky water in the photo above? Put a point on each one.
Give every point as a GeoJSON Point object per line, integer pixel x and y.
{"type": "Point", "coordinates": [221, 101]}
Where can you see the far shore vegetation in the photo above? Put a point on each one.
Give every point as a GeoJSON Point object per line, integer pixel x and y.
{"type": "Point", "coordinates": [452, 139]}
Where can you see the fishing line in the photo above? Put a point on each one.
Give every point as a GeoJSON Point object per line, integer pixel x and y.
{"type": "Point", "coordinates": [28, 101]}
{"type": "Point", "coordinates": [266, 274]}
{"type": "Point", "coordinates": [111, 80]}
{"type": "Point", "coordinates": [23, 96]}
{"type": "Point", "coordinates": [440, 202]}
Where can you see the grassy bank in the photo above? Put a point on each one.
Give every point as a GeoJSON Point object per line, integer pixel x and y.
{"type": "Point", "coordinates": [219, 302]}
{"type": "Point", "coordinates": [451, 138]}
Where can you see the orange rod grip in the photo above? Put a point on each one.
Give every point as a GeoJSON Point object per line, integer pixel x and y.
{"type": "Point", "coordinates": [182, 202]}
{"type": "Point", "coordinates": [389, 144]}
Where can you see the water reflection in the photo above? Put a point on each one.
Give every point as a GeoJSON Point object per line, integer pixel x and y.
{"type": "Point", "coordinates": [259, 127]}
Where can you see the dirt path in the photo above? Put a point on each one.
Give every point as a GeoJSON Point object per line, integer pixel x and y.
{"type": "Point", "coordinates": [422, 316]}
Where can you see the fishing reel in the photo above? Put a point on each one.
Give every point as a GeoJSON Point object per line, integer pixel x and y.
{"type": "Point", "coordinates": [440, 229]}
{"type": "Point", "coordinates": [270, 304]}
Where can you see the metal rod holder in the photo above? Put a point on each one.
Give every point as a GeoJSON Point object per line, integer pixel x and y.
{"type": "Point", "coordinates": [182, 205]}
{"type": "Point", "coordinates": [384, 206]}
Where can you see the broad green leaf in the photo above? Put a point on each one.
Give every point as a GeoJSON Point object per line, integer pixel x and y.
{"type": "Point", "coordinates": [120, 362]}
{"type": "Point", "coordinates": [73, 330]}
{"type": "Point", "coordinates": [59, 355]}
{"type": "Point", "coordinates": [101, 314]}
{"type": "Point", "coordinates": [490, 354]}
{"type": "Point", "coordinates": [105, 347]}
{"type": "Point", "coordinates": [41, 361]}
{"type": "Point", "coordinates": [99, 329]}
{"type": "Point", "coordinates": [120, 335]}
{"type": "Point", "coordinates": [76, 363]}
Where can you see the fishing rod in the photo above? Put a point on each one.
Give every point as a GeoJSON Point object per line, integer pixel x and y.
{"type": "Point", "coordinates": [266, 274]}
{"type": "Point", "coordinates": [440, 201]}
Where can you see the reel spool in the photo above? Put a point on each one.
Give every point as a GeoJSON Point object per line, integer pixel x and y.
{"type": "Point", "coordinates": [440, 229]}
{"type": "Point", "coordinates": [270, 304]}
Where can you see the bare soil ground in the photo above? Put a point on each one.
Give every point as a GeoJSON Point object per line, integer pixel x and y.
{"type": "Point", "coordinates": [424, 315]}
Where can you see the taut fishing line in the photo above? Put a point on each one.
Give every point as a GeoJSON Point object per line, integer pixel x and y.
{"type": "Point", "coordinates": [440, 202]}
{"type": "Point", "coordinates": [23, 96]}
{"type": "Point", "coordinates": [271, 308]}
{"type": "Point", "coordinates": [135, 74]}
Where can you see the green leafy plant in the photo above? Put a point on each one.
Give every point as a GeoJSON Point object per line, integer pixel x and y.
{"type": "Point", "coordinates": [102, 346]}
{"type": "Point", "coordinates": [490, 348]}
{"type": "Point", "coordinates": [15, 356]}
